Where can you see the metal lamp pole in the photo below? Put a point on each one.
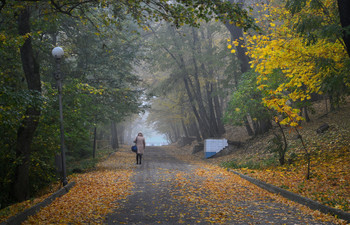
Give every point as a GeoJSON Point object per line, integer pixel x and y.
{"type": "Point", "coordinates": [58, 54]}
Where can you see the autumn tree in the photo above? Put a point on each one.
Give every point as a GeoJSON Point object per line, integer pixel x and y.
{"type": "Point", "coordinates": [190, 57]}
{"type": "Point", "coordinates": [326, 23]}
{"type": "Point", "coordinates": [308, 61]}
{"type": "Point", "coordinates": [245, 102]}
{"type": "Point", "coordinates": [299, 62]}
{"type": "Point", "coordinates": [33, 26]}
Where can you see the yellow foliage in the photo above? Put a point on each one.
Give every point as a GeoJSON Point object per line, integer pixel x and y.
{"type": "Point", "coordinates": [281, 48]}
{"type": "Point", "coordinates": [94, 195]}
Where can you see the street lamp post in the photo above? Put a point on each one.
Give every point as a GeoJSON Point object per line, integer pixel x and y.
{"type": "Point", "coordinates": [58, 53]}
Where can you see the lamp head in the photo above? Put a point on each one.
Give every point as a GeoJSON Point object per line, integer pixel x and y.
{"type": "Point", "coordinates": [57, 52]}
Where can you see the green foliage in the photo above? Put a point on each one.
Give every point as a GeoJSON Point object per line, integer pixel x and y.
{"type": "Point", "coordinates": [276, 146]}
{"type": "Point", "coordinates": [336, 85]}
{"type": "Point", "coordinates": [97, 90]}
{"type": "Point", "coordinates": [313, 25]}
{"type": "Point", "coordinates": [13, 104]}
{"type": "Point", "coordinates": [296, 6]}
{"type": "Point", "coordinates": [190, 54]}
{"type": "Point", "coordinates": [190, 12]}
{"type": "Point", "coordinates": [82, 165]}
{"type": "Point", "coordinates": [246, 101]}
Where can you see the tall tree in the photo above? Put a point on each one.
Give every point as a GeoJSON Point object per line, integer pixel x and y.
{"type": "Point", "coordinates": [191, 59]}
{"type": "Point", "coordinates": [344, 14]}
{"type": "Point", "coordinates": [31, 17]}
{"type": "Point", "coordinates": [28, 126]}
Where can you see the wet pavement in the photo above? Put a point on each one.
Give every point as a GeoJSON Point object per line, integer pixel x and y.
{"type": "Point", "coordinates": [159, 197]}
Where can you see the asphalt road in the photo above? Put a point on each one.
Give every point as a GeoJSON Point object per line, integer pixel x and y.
{"type": "Point", "coordinates": [153, 202]}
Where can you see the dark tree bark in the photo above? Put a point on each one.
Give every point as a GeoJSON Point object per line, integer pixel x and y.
{"type": "Point", "coordinates": [344, 13]}
{"type": "Point", "coordinates": [184, 128]}
{"type": "Point", "coordinates": [331, 103]}
{"type": "Point", "coordinates": [120, 131]}
{"type": "Point", "coordinates": [212, 117]}
{"type": "Point", "coordinates": [307, 118]}
{"type": "Point", "coordinates": [218, 112]}
{"type": "Point", "coordinates": [175, 130]}
{"type": "Point", "coordinates": [283, 148]}
{"type": "Point", "coordinates": [194, 131]}
{"type": "Point", "coordinates": [236, 33]}
{"type": "Point", "coordinates": [248, 127]}
{"type": "Point", "coordinates": [256, 127]}
{"type": "Point", "coordinates": [94, 144]}
{"type": "Point", "coordinates": [114, 136]}
{"type": "Point", "coordinates": [197, 88]}
{"type": "Point", "coordinates": [28, 125]}
{"type": "Point", "coordinates": [220, 130]}
{"type": "Point", "coordinates": [264, 126]}
{"type": "Point", "coordinates": [204, 128]}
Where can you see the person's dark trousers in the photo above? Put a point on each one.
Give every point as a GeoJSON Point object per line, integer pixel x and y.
{"type": "Point", "coordinates": [138, 158]}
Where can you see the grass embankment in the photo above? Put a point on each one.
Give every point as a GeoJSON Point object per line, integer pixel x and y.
{"type": "Point", "coordinates": [329, 181]}
{"type": "Point", "coordinates": [92, 197]}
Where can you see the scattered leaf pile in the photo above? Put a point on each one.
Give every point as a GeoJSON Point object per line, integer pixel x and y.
{"type": "Point", "coordinates": [222, 197]}
{"type": "Point", "coordinates": [94, 195]}
{"type": "Point", "coordinates": [329, 182]}
{"type": "Point", "coordinates": [330, 173]}
{"type": "Point", "coordinates": [20, 207]}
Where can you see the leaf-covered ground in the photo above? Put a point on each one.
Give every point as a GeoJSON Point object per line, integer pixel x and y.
{"type": "Point", "coordinates": [224, 198]}
{"type": "Point", "coordinates": [169, 191]}
{"type": "Point", "coordinates": [94, 195]}
{"type": "Point", "coordinates": [186, 191]}
{"type": "Point", "coordinates": [329, 182]}
{"type": "Point", "coordinates": [98, 193]}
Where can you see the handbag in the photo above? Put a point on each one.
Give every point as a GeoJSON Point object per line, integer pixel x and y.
{"type": "Point", "coordinates": [134, 148]}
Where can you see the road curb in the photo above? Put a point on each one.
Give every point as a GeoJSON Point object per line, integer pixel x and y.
{"type": "Point", "coordinates": [22, 216]}
{"type": "Point", "coordinates": [296, 198]}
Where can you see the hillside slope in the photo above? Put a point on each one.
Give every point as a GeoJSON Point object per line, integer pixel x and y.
{"type": "Point", "coordinates": [329, 181]}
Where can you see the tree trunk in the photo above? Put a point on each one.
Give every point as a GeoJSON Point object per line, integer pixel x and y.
{"type": "Point", "coordinates": [307, 118]}
{"type": "Point", "coordinates": [184, 128]}
{"type": "Point", "coordinates": [265, 125]}
{"type": "Point", "coordinates": [256, 127]}
{"type": "Point", "coordinates": [248, 127]}
{"type": "Point", "coordinates": [194, 131]}
{"type": "Point", "coordinates": [204, 129]}
{"type": "Point", "coordinates": [202, 126]}
{"type": "Point", "coordinates": [344, 13]}
{"type": "Point", "coordinates": [218, 112]}
{"type": "Point", "coordinates": [236, 34]}
{"type": "Point", "coordinates": [197, 87]}
{"type": "Point", "coordinates": [331, 103]}
{"type": "Point", "coordinates": [220, 130]}
{"type": "Point", "coordinates": [175, 130]}
{"type": "Point", "coordinates": [128, 135]}
{"type": "Point", "coordinates": [94, 144]}
{"type": "Point", "coordinates": [114, 136]}
{"type": "Point", "coordinates": [30, 122]}
{"type": "Point", "coordinates": [212, 118]}
{"type": "Point", "coordinates": [120, 130]}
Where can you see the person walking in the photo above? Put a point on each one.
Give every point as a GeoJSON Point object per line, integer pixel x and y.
{"type": "Point", "coordinates": [141, 145]}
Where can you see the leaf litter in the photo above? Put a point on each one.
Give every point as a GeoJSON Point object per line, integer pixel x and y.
{"type": "Point", "coordinates": [94, 195]}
